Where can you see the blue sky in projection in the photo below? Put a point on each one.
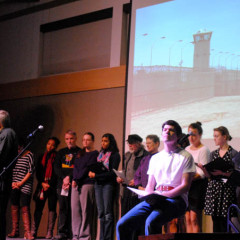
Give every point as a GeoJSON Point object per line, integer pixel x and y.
{"type": "Point", "coordinates": [164, 32]}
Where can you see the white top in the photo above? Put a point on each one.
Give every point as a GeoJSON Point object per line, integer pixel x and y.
{"type": "Point", "coordinates": [168, 168]}
{"type": "Point", "coordinates": [201, 155]}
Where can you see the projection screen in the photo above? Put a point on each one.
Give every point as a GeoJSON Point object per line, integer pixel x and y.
{"type": "Point", "coordinates": [184, 62]}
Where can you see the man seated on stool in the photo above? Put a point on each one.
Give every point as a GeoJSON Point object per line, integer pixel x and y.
{"type": "Point", "coordinates": [170, 172]}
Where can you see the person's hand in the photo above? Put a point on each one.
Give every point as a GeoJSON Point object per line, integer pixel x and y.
{"type": "Point", "coordinates": [200, 166]}
{"type": "Point", "coordinates": [91, 174]}
{"type": "Point", "coordinates": [119, 180]}
{"type": "Point", "coordinates": [74, 184]}
{"type": "Point", "coordinates": [45, 186]}
{"type": "Point", "coordinates": [141, 188]}
{"type": "Point", "coordinates": [16, 185]}
{"type": "Point", "coordinates": [66, 183]}
{"type": "Point", "coordinates": [131, 182]}
{"type": "Point", "coordinates": [217, 173]}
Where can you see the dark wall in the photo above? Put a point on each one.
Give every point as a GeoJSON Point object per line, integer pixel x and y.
{"type": "Point", "coordinates": [98, 111]}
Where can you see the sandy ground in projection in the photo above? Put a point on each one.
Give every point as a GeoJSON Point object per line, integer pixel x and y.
{"type": "Point", "coordinates": [211, 113]}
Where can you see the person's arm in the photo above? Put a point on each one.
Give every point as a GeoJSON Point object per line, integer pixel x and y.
{"type": "Point", "coordinates": [137, 175]}
{"type": "Point", "coordinates": [182, 188]}
{"type": "Point", "coordinates": [8, 147]}
{"type": "Point", "coordinates": [206, 173]}
{"type": "Point", "coordinates": [233, 177]}
{"type": "Point", "coordinates": [151, 184]}
{"type": "Point", "coordinates": [19, 184]}
{"type": "Point", "coordinates": [204, 158]}
{"type": "Point", "coordinates": [83, 169]}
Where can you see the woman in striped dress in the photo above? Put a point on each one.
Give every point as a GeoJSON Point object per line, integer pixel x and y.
{"type": "Point", "coordinates": [22, 184]}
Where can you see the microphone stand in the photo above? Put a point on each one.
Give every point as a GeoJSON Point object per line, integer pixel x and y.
{"type": "Point", "coordinates": [16, 158]}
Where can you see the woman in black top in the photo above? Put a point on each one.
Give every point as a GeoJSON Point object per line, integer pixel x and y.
{"type": "Point", "coordinates": [105, 184]}
{"type": "Point", "coordinates": [46, 188]}
{"type": "Point", "coordinates": [220, 194]}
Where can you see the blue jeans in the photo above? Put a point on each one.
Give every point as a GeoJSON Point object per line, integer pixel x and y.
{"type": "Point", "coordinates": [104, 199]}
{"type": "Point", "coordinates": [152, 217]}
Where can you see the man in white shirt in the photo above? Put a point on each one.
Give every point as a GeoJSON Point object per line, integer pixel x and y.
{"type": "Point", "coordinates": [170, 173]}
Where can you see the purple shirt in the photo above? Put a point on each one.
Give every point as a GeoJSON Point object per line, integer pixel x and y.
{"type": "Point", "coordinates": [141, 177]}
{"type": "Point", "coordinates": [81, 167]}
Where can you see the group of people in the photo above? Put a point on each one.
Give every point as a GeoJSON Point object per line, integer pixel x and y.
{"type": "Point", "coordinates": [173, 182]}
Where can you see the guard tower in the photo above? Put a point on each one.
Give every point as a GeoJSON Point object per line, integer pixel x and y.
{"type": "Point", "coordinates": [201, 50]}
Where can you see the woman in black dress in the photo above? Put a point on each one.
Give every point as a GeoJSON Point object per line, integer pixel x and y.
{"type": "Point", "coordinates": [220, 194]}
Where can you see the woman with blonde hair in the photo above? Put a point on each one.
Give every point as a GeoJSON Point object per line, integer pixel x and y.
{"type": "Point", "coordinates": [220, 194]}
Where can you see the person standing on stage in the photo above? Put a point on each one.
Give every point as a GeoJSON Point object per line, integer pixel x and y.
{"type": "Point", "coordinates": [83, 199]}
{"type": "Point", "coordinates": [170, 174]}
{"type": "Point", "coordinates": [220, 193]}
{"type": "Point", "coordinates": [141, 177]}
{"type": "Point", "coordinates": [197, 192]}
{"type": "Point", "coordinates": [46, 188]}
{"type": "Point", "coordinates": [22, 186]}
{"type": "Point", "coordinates": [131, 163]}
{"type": "Point", "coordinates": [63, 167]}
{"type": "Point", "coordinates": [105, 185]}
{"type": "Point", "coordinates": [8, 150]}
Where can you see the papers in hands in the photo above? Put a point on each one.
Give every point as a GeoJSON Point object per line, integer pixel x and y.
{"type": "Point", "coordinates": [154, 198]}
{"type": "Point", "coordinates": [143, 193]}
{"type": "Point", "coordinates": [122, 176]}
{"type": "Point", "coordinates": [64, 192]}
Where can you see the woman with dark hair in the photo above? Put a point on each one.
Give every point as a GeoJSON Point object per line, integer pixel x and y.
{"type": "Point", "coordinates": [82, 196]}
{"type": "Point", "coordinates": [197, 192]}
{"type": "Point", "coordinates": [22, 184]}
{"type": "Point", "coordinates": [46, 188]}
{"type": "Point", "coordinates": [105, 185]}
{"type": "Point", "coordinates": [220, 194]}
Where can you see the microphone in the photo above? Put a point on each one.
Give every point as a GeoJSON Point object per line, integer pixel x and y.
{"type": "Point", "coordinates": [189, 134]}
{"type": "Point", "coordinates": [185, 137]}
{"type": "Point", "coordinates": [39, 128]}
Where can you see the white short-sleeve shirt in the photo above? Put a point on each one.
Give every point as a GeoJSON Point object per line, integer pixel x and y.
{"type": "Point", "coordinates": [201, 155]}
{"type": "Point", "coordinates": [168, 168]}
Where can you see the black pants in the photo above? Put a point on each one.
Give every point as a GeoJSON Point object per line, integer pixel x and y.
{"type": "Point", "coordinates": [219, 224]}
{"type": "Point", "coordinates": [64, 220]}
{"type": "Point", "coordinates": [51, 195]}
{"type": "Point", "coordinates": [19, 198]}
{"type": "Point", "coordinates": [128, 202]}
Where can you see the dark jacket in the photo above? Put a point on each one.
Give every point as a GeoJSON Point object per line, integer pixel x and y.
{"type": "Point", "coordinates": [40, 173]}
{"type": "Point", "coordinates": [137, 159]}
{"type": "Point", "coordinates": [8, 151]}
{"type": "Point", "coordinates": [64, 163]}
{"type": "Point", "coordinates": [81, 167]}
{"type": "Point", "coordinates": [110, 176]}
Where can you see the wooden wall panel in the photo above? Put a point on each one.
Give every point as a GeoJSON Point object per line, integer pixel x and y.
{"type": "Point", "coordinates": [65, 83]}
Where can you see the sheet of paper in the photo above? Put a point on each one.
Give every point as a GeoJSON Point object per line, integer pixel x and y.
{"type": "Point", "coordinates": [64, 192]}
{"type": "Point", "coordinates": [121, 175]}
{"type": "Point", "coordinates": [142, 193]}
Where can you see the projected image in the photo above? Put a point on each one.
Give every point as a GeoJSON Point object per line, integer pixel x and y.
{"type": "Point", "coordinates": [186, 66]}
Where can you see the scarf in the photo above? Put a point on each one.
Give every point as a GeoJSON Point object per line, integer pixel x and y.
{"type": "Point", "coordinates": [104, 158]}
{"type": "Point", "coordinates": [47, 164]}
